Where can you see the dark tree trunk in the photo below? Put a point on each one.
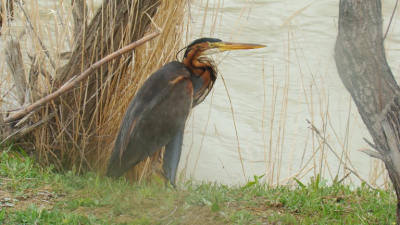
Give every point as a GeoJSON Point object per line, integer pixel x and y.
{"type": "Point", "coordinates": [362, 66]}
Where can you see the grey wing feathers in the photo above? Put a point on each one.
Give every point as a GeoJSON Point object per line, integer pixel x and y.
{"type": "Point", "coordinates": [141, 133]}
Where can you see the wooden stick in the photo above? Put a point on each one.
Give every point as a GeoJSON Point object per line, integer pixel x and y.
{"type": "Point", "coordinates": [22, 132]}
{"type": "Point", "coordinates": [21, 113]}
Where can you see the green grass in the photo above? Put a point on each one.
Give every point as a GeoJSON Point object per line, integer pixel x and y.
{"type": "Point", "coordinates": [32, 194]}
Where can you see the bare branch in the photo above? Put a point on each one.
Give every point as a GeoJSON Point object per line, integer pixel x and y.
{"type": "Point", "coordinates": [371, 144]}
{"type": "Point", "coordinates": [22, 132]}
{"type": "Point", "coordinates": [371, 153]}
{"type": "Point", "coordinates": [21, 113]}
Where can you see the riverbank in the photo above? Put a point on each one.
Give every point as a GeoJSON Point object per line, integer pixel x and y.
{"type": "Point", "coordinates": [32, 194]}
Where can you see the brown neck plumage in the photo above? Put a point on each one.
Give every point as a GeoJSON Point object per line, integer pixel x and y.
{"type": "Point", "coordinates": [203, 74]}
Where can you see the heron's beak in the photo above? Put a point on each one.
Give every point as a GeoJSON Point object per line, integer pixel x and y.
{"type": "Point", "coordinates": [227, 46]}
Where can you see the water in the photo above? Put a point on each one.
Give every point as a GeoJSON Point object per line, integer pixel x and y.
{"type": "Point", "coordinates": [273, 91]}
{"type": "Point", "coordinates": [298, 70]}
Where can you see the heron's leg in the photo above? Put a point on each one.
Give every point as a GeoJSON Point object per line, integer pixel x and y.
{"type": "Point", "coordinates": [172, 155]}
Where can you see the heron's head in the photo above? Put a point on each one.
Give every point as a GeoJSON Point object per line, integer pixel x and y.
{"type": "Point", "coordinates": [208, 46]}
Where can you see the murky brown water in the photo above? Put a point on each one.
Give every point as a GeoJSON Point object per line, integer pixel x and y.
{"type": "Point", "coordinates": [274, 91]}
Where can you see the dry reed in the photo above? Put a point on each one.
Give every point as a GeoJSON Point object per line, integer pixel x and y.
{"type": "Point", "coordinates": [93, 147]}
{"type": "Point", "coordinates": [70, 141]}
{"type": "Point", "coordinates": [148, 59]}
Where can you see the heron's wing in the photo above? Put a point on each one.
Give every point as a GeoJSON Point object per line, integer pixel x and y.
{"type": "Point", "coordinates": [144, 110]}
{"type": "Point", "coordinates": [153, 117]}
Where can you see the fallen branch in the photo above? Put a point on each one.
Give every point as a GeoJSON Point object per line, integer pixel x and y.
{"type": "Point", "coordinates": [22, 132]}
{"type": "Point", "coordinates": [21, 113]}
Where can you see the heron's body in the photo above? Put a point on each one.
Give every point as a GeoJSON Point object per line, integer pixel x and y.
{"type": "Point", "coordinates": [153, 126]}
{"type": "Point", "coordinates": [156, 115]}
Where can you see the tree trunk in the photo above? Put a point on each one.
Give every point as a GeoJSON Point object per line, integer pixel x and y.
{"type": "Point", "coordinates": [362, 66]}
{"type": "Point", "coordinates": [111, 27]}
{"type": "Point", "coordinates": [80, 15]}
{"type": "Point", "coordinates": [116, 24]}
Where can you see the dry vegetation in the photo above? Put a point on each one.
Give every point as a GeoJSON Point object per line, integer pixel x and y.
{"type": "Point", "coordinates": [77, 130]}
{"type": "Point", "coordinates": [79, 134]}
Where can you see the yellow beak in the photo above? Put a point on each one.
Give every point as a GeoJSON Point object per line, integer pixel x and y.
{"type": "Point", "coordinates": [227, 46]}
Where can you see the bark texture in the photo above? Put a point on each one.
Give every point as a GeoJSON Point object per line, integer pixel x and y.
{"type": "Point", "coordinates": [362, 66]}
{"type": "Point", "coordinates": [80, 14]}
{"type": "Point", "coordinates": [16, 65]}
{"type": "Point", "coordinates": [115, 24]}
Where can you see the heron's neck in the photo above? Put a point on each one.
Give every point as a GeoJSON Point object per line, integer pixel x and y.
{"type": "Point", "coordinates": [203, 76]}
{"type": "Point", "coordinates": [196, 67]}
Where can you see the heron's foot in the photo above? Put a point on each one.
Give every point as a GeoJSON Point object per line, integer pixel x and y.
{"type": "Point", "coordinates": [171, 185]}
